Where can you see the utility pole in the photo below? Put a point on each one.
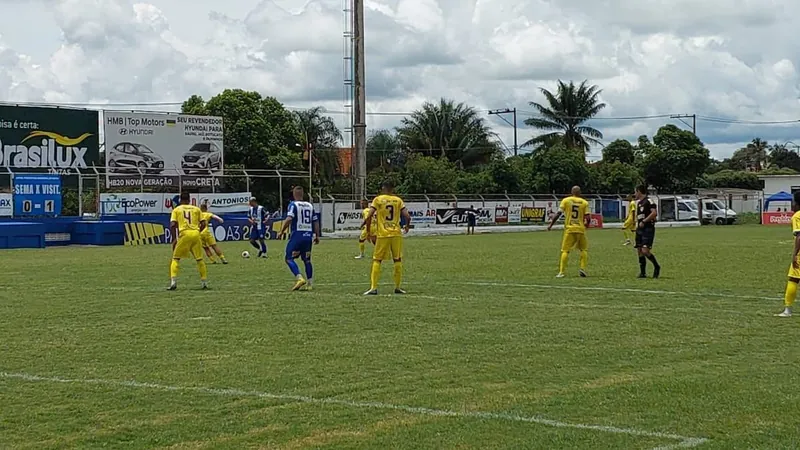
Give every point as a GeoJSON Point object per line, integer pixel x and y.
{"type": "Point", "coordinates": [499, 113]}
{"type": "Point", "coordinates": [359, 101]}
{"type": "Point", "coordinates": [687, 116]}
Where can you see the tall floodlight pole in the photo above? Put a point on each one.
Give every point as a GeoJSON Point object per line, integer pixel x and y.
{"type": "Point", "coordinates": [359, 101]}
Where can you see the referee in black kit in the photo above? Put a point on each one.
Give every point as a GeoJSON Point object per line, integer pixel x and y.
{"type": "Point", "coordinates": [646, 213]}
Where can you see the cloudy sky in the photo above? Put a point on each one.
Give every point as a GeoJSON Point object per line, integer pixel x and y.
{"type": "Point", "coordinates": [734, 60]}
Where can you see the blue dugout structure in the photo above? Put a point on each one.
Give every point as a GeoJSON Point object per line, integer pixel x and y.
{"type": "Point", "coordinates": [114, 230]}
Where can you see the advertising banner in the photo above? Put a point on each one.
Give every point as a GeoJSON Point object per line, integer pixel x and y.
{"type": "Point", "coordinates": [422, 217]}
{"type": "Point", "coordinates": [160, 146]}
{"type": "Point", "coordinates": [501, 214]}
{"type": "Point", "coordinates": [37, 195]}
{"type": "Point", "coordinates": [53, 140]}
{"type": "Point", "coordinates": [6, 205]}
{"type": "Point", "coordinates": [514, 214]}
{"type": "Point", "coordinates": [456, 216]}
{"type": "Point", "coordinates": [348, 219]}
{"type": "Point", "coordinates": [595, 221]}
{"type": "Point", "coordinates": [224, 203]}
{"type": "Point", "coordinates": [156, 230]}
{"type": "Point", "coordinates": [136, 203]}
{"type": "Point", "coordinates": [533, 214]}
{"type": "Point", "coordinates": [776, 218]}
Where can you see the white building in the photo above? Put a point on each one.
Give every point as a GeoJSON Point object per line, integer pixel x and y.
{"type": "Point", "coordinates": [777, 183]}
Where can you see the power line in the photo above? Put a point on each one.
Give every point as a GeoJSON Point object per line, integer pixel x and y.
{"type": "Point", "coordinates": [750, 122]}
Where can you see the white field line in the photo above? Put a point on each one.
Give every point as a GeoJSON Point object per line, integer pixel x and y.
{"type": "Point", "coordinates": [683, 441]}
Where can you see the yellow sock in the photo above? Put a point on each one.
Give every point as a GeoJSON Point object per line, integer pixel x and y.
{"type": "Point", "coordinates": [221, 255]}
{"type": "Point", "coordinates": [398, 274]}
{"type": "Point", "coordinates": [173, 268]}
{"type": "Point", "coordinates": [361, 247]}
{"type": "Point", "coordinates": [791, 294]}
{"type": "Point", "coordinates": [203, 269]}
{"type": "Point", "coordinates": [375, 275]}
{"type": "Point", "coordinates": [562, 264]}
{"type": "Point", "coordinates": [584, 259]}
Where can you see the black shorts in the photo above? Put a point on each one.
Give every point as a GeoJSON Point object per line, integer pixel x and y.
{"type": "Point", "coordinates": [645, 237]}
{"type": "Point", "coordinates": [471, 222]}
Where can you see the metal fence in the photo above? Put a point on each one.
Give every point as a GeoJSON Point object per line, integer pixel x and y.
{"type": "Point", "coordinates": [82, 190]}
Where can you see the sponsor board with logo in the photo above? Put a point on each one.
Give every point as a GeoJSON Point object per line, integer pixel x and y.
{"type": "Point", "coordinates": [533, 214]}
{"type": "Point", "coordinates": [456, 216]}
{"type": "Point", "coordinates": [348, 219]}
{"type": "Point", "coordinates": [224, 203]}
{"type": "Point", "coordinates": [501, 214]}
{"type": "Point", "coordinates": [776, 218]}
{"type": "Point", "coordinates": [136, 203]}
{"type": "Point", "coordinates": [595, 220]}
{"type": "Point", "coordinates": [184, 181]}
{"type": "Point", "coordinates": [514, 214]}
{"type": "Point", "coordinates": [55, 140]}
{"type": "Point", "coordinates": [160, 145]}
{"type": "Point", "coordinates": [156, 230]}
{"type": "Point", "coordinates": [422, 217]}
{"type": "Point", "coordinates": [6, 205]}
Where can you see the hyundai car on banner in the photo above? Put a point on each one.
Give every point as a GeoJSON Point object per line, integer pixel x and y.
{"type": "Point", "coordinates": [51, 140]}
{"type": "Point", "coordinates": [161, 149]}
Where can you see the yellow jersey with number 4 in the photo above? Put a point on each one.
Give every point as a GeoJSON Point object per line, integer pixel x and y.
{"type": "Point", "coordinates": [575, 210]}
{"type": "Point", "coordinates": [188, 217]}
{"type": "Point", "coordinates": [387, 215]}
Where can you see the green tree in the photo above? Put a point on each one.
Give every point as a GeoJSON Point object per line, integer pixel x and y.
{"type": "Point", "coordinates": [751, 157]}
{"type": "Point", "coordinates": [782, 157]}
{"type": "Point", "coordinates": [383, 146]}
{"type": "Point", "coordinates": [557, 169]}
{"type": "Point", "coordinates": [449, 130]}
{"type": "Point", "coordinates": [564, 115]}
{"type": "Point", "coordinates": [675, 161]}
{"type": "Point", "coordinates": [425, 174]}
{"type": "Point", "coordinates": [320, 141]}
{"type": "Point", "coordinates": [259, 134]}
{"type": "Point", "coordinates": [619, 151]}
{"type": "Point", "coordinates": [734, 179]}
{"type": "Point", "coordinates": [615, 177]}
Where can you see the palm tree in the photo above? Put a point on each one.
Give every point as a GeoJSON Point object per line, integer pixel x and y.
{"type": "Point", "coordinates": [449, 130]}
{"type": "Point", "coordinates": [321, 138]}
{"type": "Point", "coordinates": [381, 146]}
{"type": "Point", "coordinates": [564, 116]}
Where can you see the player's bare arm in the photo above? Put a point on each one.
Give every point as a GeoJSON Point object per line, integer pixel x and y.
{"type": "Point", "coordinates": [404, 213]}
{"type": "Point", "coordinates": [173, 227]}
{"type": "Point", "coordinates": [286, 224]}
{"type": "Point", "coordinates": [555, 219]}
{"type": "Point", "coordinates": [316, 232]}
{"type": "Point", "coordinates": [217, 218]}
{"type": "Point", "coordinates": [203, 225]}
{"type": "Point", "coordinates": [795, 263]}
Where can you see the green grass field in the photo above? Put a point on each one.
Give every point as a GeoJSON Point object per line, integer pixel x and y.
{"type": "Point", "coordinates": [488, 350]}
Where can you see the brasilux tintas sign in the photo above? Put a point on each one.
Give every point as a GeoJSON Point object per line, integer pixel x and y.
{"type": "Point", "coordinates": [43, 139]}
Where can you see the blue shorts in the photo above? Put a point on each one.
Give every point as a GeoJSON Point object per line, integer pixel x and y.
{"type": "Point", "coordinates": [256, 234]}
{"type": "Point", "coordinates": [301, 246]}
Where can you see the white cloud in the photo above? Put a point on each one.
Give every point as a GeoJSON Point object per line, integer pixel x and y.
{"type": "Point", "coordinates": [730, 58]}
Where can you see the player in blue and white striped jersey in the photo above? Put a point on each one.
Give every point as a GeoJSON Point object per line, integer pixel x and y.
{"type": "Point", "coordinates": [304, 234]}
{"type": "Point", "coordinates": [257, 216]}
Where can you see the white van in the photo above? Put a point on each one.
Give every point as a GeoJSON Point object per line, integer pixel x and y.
{"type": "Point", "coordinates": [714, 211]}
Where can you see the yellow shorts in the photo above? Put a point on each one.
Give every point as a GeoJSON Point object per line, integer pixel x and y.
{"type": "Point", "coordinates": [384, 246]}
{"type": "Point", "coordinates": [363, 236]}
{"type": "Point", "coordinates": [794, 273]}
{"type": "Point", "coordinates": [189, 244]}
{"type": "Point", "coordinates": [574, 240]}
{"type": "Point", "coordinates": [207, 239]}
{"type": "Point", "coordinates": [629, 225]}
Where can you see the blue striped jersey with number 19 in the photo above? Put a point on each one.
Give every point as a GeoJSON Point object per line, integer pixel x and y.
{"type": "Point", "coordinates": [302, 214]}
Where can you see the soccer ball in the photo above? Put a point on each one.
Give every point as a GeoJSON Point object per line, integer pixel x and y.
{"type": "Point", "coordinates": [245, 254]}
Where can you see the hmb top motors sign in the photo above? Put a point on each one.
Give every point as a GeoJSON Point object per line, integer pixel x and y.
{"type": "Point", "coordinates": [56, 140]}
{"type": "Point", "coordinates": [160, 147]}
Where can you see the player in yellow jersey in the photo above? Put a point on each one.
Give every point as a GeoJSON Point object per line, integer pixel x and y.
{"type": "Point", "coordinates": [629, 226]}
{"type": "Point", "coordinates": [576, 215]}
{"type": "Point", "coordinates": [366, 235]}
{"type": "Point", "coordinates": [186, 224]}
{"type": "Point", "coordinates": [386, 211]}
{"type": "Point", "coordinates": [794, 268]}
{"type": "Point", "coordinates": [207, 236]}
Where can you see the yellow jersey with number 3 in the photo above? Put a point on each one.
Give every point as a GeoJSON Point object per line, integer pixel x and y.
{"type": "Point", "coordinates": [188, 217]}
{"type": "Point", "coordinates": [575, 210]}
{"type": "Point", "coordinates": [387, 215]}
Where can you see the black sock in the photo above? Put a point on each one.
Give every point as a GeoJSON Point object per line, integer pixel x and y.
{"type": "Point", "coordinates": [255, 245]}
{"type": "Point", "coordinates": [642, 265]}
{"type": "Point", "coordinates": [652, 259]}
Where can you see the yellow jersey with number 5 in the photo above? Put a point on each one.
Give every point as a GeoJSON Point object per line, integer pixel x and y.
{"type": "Point", "coordinates": [387, 215]}
{"type": "Point", "coordinates": [575, 210]}
{"type": "Point", "coordinates": [188, 217]}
